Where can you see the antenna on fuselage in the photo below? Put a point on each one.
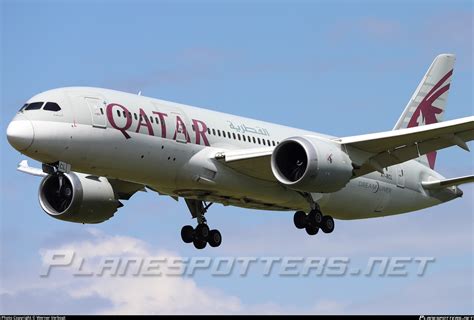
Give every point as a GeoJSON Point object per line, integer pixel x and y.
{"type": "Point", "coordinates": [140, 93]}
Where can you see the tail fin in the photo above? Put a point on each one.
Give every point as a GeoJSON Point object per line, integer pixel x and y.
{"type": "Point", "coordinates": [428, 103]}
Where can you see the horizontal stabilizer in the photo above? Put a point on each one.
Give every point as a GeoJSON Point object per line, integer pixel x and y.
{"type": "Point", "coordinates": [439, 184]}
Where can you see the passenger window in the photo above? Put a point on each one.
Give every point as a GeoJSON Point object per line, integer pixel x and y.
{"type": "Point", "coordinates": [233, 134]}
{"type": "Point", "coordinates": [243, 137]}
{"type": "Point", "coordinates": [208, 130]}
{"type": "Point", "coordinates": [219, 133]}
{"type": "Point", "coordinates": [34, 106]}
{"type": "Point", "coordinates": [118, 112]}
{"type": "Point", "coordinates": [263, 140]}
{"type": "Point", "coordinates": [254, 140]}
{"type": "Point", "coordinates": [223, 134]}
{"type": "Point", "coordinates": [214, 132]}
{"type": "Point", "coordinates": [258, 139]}
{"type": "Point", "coordinates": [124, 114]}
{"type": "Point", "coordinates": [238, 135]}
{"type": "Point", "coordinates": [135, 115]}
{"type": "Point", "coordinates": [156, 119]}
{"type": "Point", "coordinates": [151, 119]}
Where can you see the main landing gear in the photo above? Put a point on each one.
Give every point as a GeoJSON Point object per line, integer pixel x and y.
{"type": "Point", "coordinates": [201, 235]}
{"type": "Point", "coordinates": [314, 220]}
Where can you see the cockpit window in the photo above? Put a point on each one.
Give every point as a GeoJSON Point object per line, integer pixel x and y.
{"type": "Point", "coordinates": [34, 106]}
{"type": "Point", "coordinates": [24, 106]}
{"type": "Point", "coordinates": [52, 106]}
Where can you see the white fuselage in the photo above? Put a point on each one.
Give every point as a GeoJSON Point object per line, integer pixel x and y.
{"type": "Point", "coordinates": [172, 149]}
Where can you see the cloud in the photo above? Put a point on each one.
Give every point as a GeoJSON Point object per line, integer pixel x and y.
{"type": "Point", "coordinates": [63, 293]}
{"type": "Point", "coordinates": [138, 295]}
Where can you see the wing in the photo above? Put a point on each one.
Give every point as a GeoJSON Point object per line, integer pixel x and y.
{"type": "Point", "coordinates": [253, 162]}
{"type": "Point", "coordinates": [370, 152]}
{"type": "Point", "coordinates": [24, 167]}
{"type": "Point", "coordinates": [440, 184]}
{"type": "Point", "coordinates": [373, 152]}
{"type": "Point", "coordinates": [123, 189]}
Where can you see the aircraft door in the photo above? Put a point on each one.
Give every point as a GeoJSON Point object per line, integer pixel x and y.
{"type": "Point", "coordinates": [97, 109]}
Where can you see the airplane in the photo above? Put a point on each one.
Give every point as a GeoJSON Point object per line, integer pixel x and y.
{"type": "Point", "coordinates": [99, 147]}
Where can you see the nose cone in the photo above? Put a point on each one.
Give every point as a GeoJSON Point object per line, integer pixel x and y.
{"type": "Point", "coordinates": [20, 133]}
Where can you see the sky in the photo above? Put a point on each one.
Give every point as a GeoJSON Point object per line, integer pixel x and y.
{"type": "Point", "coordinates": [337, 67]}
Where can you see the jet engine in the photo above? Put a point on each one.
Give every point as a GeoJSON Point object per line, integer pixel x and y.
{"type": "Point", "coordinates": [311, 164]}
{"type": "Point", "coordinates": [78, 197]}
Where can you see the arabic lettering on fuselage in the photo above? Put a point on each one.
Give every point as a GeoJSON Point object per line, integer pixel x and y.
{"type": "Point", "coordinates": [242, 128]}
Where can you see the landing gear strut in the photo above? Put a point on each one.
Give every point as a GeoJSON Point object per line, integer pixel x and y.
{"type": "Point", "coordinates": [314, 220]}
{"type": "Point", "coordinates": [201, 235]}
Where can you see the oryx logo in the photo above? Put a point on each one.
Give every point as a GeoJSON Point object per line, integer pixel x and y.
{"type": "Point", "coordinates": [329, 158]}
{"type": "Point", "coordinates": [426, 113]}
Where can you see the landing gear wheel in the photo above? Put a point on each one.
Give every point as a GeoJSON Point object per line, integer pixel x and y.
{"type": "Point", "coordinates": [202, 231]}
{"type": "Point", "coordinates": [327, 225]}
{"type": "Point", "coordinates": [299, 219]}
{"type": "Point", "coordinates": [315, 217]}
{"type": "Point", "coordinates": [201, 235]}
{"type": "Point", "coordinates": [187, 234]}
{"type": "Point", "coordinates": [214, 239]}
{"type": "Point", "coordinates": [312, 230]}
{"type": "Point", "coordinates": [199, 243]}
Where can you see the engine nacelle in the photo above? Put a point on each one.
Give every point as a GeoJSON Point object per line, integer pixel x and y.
{"type": "Point", "coordinates": [78, 198]}
{"type": "Point", "coordinates": [311, 164]}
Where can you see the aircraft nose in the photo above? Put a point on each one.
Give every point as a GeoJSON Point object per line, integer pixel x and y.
{"type": "Point", "coordinates": [20, 133]}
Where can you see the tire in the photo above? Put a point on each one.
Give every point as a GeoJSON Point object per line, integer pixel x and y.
{"type": "Point", "coordinates": [315, 217]}
{"type": "Point", "coordinates": [299, 219]}
{"type": "Point", "coordinates": [327, 225]}
{"type": "Point", "coordinates": [214, 239]}
{"type": "Point", "coordinates": [312, 230]}
{"type": "Point", "coordinates": [187, 234]}
{"type": "Point", "coordinates": [199, 243]}
{"type": "Point", "coordinates": [202, 231]}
